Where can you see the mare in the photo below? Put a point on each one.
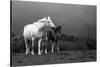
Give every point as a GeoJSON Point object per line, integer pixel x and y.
{"type": "Point", "coordinates": [34, 31]}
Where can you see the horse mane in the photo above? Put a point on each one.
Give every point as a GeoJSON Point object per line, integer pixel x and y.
{"type": "Point", "coordinates": [58, 28]}
{"type": "Point", "coordinates": [35, 22]}
{"type": "Point", "coordinates": [41, 20]}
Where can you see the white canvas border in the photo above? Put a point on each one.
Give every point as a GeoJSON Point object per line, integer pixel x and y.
{"type": "Point", "coordinates": [5, 33]}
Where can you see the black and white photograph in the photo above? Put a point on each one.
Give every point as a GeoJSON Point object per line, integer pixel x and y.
{"type": "Point", "coordinates": [44, 33]}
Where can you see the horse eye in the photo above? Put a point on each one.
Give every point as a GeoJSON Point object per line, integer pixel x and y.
{"type": "Point", "coordinates": [48, 21]}
{"type": "Point", "coordinates": [42, 21]}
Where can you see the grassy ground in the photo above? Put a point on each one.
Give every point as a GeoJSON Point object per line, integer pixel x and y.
{"type": "Point", "coordinates": [20, 59]}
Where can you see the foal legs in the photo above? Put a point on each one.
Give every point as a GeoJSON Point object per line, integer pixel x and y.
{"type": "Point", "coordinates": [27, 47]}
{"type": "Point", "coordinates": [46, 48]}
{"type": "Point", "coordinates": [46, 45]}
{"type": "Point", "coordinates": [32, 52]}
{"type": "Point", "coordinates": [39, 46]}
{"type": "Point", "coordinates": [57, 48]}
{"type": "Point", "coordinates": [52, 50]}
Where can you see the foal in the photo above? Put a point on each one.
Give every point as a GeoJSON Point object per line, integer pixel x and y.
{"type": "Point", "coordinates": [53, 36]}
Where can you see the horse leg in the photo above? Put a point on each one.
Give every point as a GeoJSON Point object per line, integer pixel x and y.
{"type": "Point", "coordinates": [39, 46]}
{"type": "Point", "coordinates": [46, 48]}
{"type": "Point", "coordinates": [46, 45]}
{"type": "Point", "coordinates": [42, 47]}
{"type": "Point", "coordinates": [57, 47]}
{"type": "Point", "coordinates": [32, 52]}
{"type": "Point", "coordinates": [27, 47]}
{"type": "Point", "coordinates": [52, 50]}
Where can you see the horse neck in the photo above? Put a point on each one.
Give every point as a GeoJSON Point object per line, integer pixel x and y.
{"type": "Point", "coordinates": [41, 26]}
{"type": "Point", "coordinates": [49, 34]}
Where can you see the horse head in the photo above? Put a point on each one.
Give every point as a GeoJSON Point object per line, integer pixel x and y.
{"type": "Point", "coordinates": [58, 31]}
{"type": "Point", "coordinates": [50, 23]}
{"type": "Point", "coordinates": [58, 28]}
{"type": "Point", "coordinates": [46, 22]}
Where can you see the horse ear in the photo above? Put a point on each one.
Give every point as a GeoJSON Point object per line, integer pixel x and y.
{"type": "Point", "coordinates": [45, 18]}
{"type": "Point", "coordinates": [59, 26]}
{"type": "Point", "coordinates": [48, 17]}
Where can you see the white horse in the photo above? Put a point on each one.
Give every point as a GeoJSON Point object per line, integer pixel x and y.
{"type": "Point", "coordinates": [33, 31]}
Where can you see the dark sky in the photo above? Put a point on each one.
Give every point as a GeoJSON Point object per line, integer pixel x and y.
{"type": "Point", "coordinates": [73, 18]}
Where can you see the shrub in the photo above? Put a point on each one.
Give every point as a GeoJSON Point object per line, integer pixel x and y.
{"type": "Point", "coordinates": [17, 45]}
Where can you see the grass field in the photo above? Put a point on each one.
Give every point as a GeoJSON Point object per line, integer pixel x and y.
{"type": "Point", "coordinates": [20, 59]}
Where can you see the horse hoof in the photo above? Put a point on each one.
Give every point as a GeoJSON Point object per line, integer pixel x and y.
{"type": "Point", "coordinates": [39, 53]}
{"type": "Point", "coordinates": [26, 53]}
{"type": "Point", "coordinates": [32, 53]}
{"type": "Point", "coordinates": [51, 51]}
{"type": "Point", "coordinates": [45, 53]}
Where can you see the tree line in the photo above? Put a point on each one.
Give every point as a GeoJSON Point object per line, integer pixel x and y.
{"type": "Point", "coordinates": [68, 42]}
